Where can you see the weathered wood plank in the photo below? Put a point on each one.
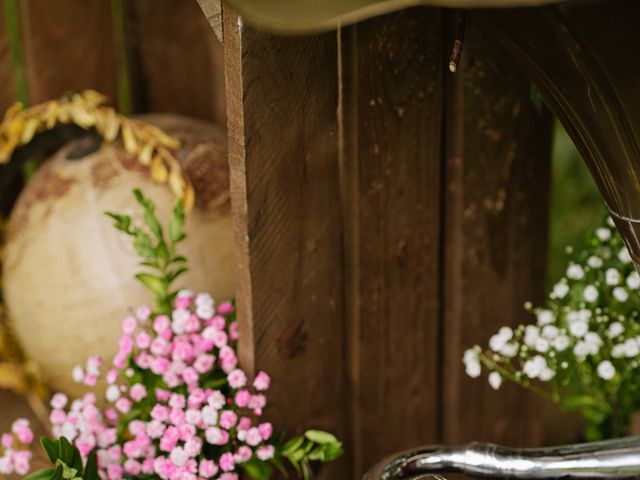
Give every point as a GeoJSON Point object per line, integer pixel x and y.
{"type": "Point", "coordinates": [68, 46]}
{"type": "Point", "coordinates": [7, 93]}
{"type": "Point", "coordinates": [181, 64]}
{"type": "Point", "coordinates": [392, 114]}
{"type": "Point", "coordinates": [497, 184]}
{"type": "Point", "coordinates": [283, 136]}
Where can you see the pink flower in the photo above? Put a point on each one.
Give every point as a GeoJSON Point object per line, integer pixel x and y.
{"type": "Point", "coordinates": [242, 398]}
{"type": "Point", "coordinates": [161, 323]}
{"type": "Point", "coordinates": [21, 461]}
{"type": "Point", "coordinates": [227, 463]}
{"type": "Point", "coordinates": [262, 381]}
{"type": "Point", "coordinates": [129, 324]}
{"type": "Point", "coordinates": [228, 419]}
{"type": "Point", "coordinates": [22, 430]}
{"type": "Point", "coordinates": [208, 468]}
{"type": "Point", "coordinates": [190, 376]}
{"type": "Point", "coordinates": [160, 413]}
{"type": "Point", "coordinates": [225, 308]}
{"type": "Point", "coordinates": [138, 392]}
{"type": "Point", "coordinates": [253, 437]}
{"type": "Point", "coordinates": [114, 472]}
{"type": "Point", "coordinates": [237, 379]}
{"type": "Point", "coordinates": [266, 430]}
{"type": "Point", "coordinates": [177, 401]}
{"type": "Point", "coordinates": [59, 401]}
{"type": "Point", "coordinates": [155, 429]}
{"type": "Point", "coordinates": [243, 454]}
{"type": "Point", "coordinates": [196, 398]}
{"type": "Point", "coordinates": [204, 363]}
{"type": "Point", "coordinates": [218, 322]}
{"type": "Point", "coordinates": [234, 331]}
{"type": "Point", "coordinates": [216, 436]}
{"type": "Point", "coordinates": [132, 467]}
{"type": "Point", "coordinates": [143, 340]}
{"type": "Point", "coordinates": [143, 312]}
{"type": "Point", "coordinates": [182, 302]}
{"type": "Point", "coordinates": [123, 405]}
{"type": "Point", "coordinates": [6, 440]}
{"type": "Point", "coordinates": [265, 452]}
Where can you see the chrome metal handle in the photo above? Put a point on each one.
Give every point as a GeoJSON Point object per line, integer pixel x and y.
{"type": "Point", "coordinates": [614, 459]}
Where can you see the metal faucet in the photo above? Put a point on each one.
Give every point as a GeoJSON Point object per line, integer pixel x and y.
{"type": "Point", "coordinates": [611, 459]}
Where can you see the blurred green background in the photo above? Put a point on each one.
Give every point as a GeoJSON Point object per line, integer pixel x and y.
{"type": "Point", "coordinates": [576, 206]}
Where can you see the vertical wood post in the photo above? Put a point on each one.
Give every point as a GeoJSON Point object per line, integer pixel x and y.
{"type": "Point", "coordinates": [68, 46]}
{"type": "Point", "coordinates": [391, 112]}
{"type": "Point", "coordinates": [497, 183]}
{"type": "Point", "coordinates": [283, 154]}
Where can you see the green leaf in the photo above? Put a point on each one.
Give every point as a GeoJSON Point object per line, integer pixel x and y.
{"type": "Point", "coordinates": [143, 245]}
{"type": "Point", "coordinates": [51, 448]}
{"type": "Point", "coordinates": [91, 470]}
{"type": "Point", "coordinates": [320, 437]}
{"type": "Point", "coordinates": [156, 284]}
{"type": "Point", "coordinates": [176, 224]}
{"type": "Point", "coordinates": [257, 469]}
{"type": "Point", "coordinates": [41, 474]}
{"type": "Point", "coordinates": [171, 276]}
{"type": "Point", "coordinates": [65, 451]}
{"type": "Point", "coordinates": [57, 474]}
{"type": "Point", "coordinates": [332, 451]}
{"type": "Point", "coordinates": [292, 445]}
{"type": "Point", "coordinates": [153, 223]}
{"type": "Point", "coordinates": [121, 222]}
{"type": "Point", "coordinates": [137, 193]}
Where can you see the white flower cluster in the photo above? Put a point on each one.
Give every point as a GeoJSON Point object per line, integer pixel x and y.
{"type": "Point", "coordinates": [586, 341]}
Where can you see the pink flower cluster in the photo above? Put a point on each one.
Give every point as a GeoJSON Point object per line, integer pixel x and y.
{"type": "Point", "coordinates": [179, 406]}
{"type": "Point", "coordinates": [15, 459]}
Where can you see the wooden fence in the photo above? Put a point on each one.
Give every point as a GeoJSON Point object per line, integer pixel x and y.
{"type": "Point", "coordinates": [388, 214]}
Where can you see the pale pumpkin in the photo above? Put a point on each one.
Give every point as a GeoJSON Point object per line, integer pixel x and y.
{"type": "Point", "coordinates": [69, 276]}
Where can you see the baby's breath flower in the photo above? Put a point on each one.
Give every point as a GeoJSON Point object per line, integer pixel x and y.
{"type": "Point", "coordinates": [633, 280]}
{"type": "Point", "coordinates": [561, 289]}
{"type": "Point", "coordinates": [575, 272]}
{"type": "Point", "coordinates": [603, 234]}
{"type": "Point", "coordinates": [624, 256]}
{"type": "Point", "coordinates": [495, 380]}
{"type": "Point", "coordinates": [620, 294]}
{"type": "Point", "coordinates": [612, 276]}
{"type": "Point", "coordinates": [606, 370]}
{"type": "Point", "coordinates": [594, 262]}
{"type": "Point", "coordinates": [590, 293]}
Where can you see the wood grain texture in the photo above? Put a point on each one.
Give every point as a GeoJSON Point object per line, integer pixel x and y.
{"type": "Point", "coordinates": [212, 9]}
{"type": "Point", "coordinates": [180, 61]}
{"type": "Point", "coordinates": [68, 46]}
{"type": "Point", "coordinates": [283, 137]}
{"type": "Point", "coordinates": [497, 181]}
{"type": "Point", "coordinates": [7, 92]}
{"type": "Point", "coordinates": [392, 115]}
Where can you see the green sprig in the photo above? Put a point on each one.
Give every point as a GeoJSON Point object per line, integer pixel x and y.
{"type": "Point", "coordinates": [156, 249]}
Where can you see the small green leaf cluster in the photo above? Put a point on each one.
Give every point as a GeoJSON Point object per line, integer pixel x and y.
{"type": "Point", "coordinates": [300, 452]}
{"type": "Point", "coordinates": [67, 462]}
{"type": "Point", "coordinates": [156, 249]}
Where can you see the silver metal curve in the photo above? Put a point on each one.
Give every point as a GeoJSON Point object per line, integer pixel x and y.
{"type": "Point", "coordinates": [612, 459]}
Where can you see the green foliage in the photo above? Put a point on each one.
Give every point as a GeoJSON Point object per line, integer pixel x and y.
{"type": "Point", "coordinates": [156, 249]}
{"type": "Point", "coordinates": [576, 205]}
{"type": "Point", "coordinates": [66, 461]}
{"type": "Point", "coordinates": [299, 452]}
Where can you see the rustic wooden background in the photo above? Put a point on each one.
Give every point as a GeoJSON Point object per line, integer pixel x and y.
{"type": "Point", "coordinates": [388, 214]}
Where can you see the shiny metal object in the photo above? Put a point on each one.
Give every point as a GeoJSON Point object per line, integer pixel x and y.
{"type": "Point", "coordinates": [612, 459]}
